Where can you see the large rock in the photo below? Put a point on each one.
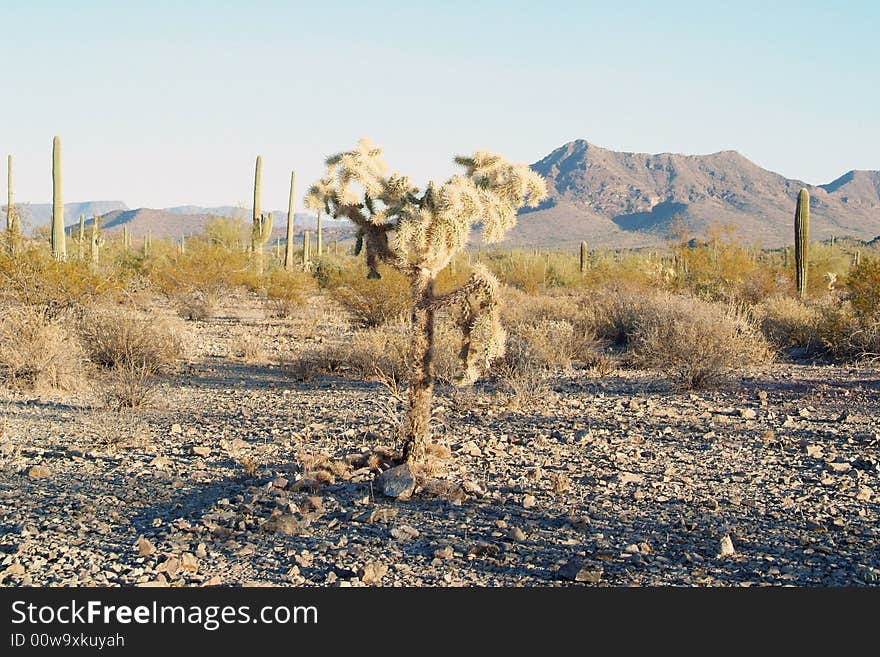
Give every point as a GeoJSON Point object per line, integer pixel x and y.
{"type": "Point", "coordinates": [398, 482]}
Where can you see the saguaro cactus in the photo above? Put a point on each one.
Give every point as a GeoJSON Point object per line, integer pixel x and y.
{"type": "Point", "coordinates": [13, 222]}
{"type": "Point", "coordinates": [148, 242]}
{"type": "Point", "coordinates": [81, 238]}
{"type": "Point", "coordinates": [584, 257]}
{"type": "Point", "coordinates": [418, 232]}
{"type": "Point", "coordinates": [259, 236]}
{"type": "Point", "coordinates": [319, 239]}
{"type": "Point", "coordinates": [801, 240]}
{"type": "Point", "coordinates": [126, 239]}
{"type": "Point", "coordinates": [288, 247]}
{"type": "Point", "coordinates": [58, 243]}
{"type": "Point", "coordinates": [306, 248]}
{"type": "Point", "coordinates": [96, 242]}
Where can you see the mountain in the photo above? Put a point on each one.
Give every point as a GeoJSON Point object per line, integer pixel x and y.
{"type": "Point", "coordinates": [172, 223]}
{"type": "Point", "coordinates": [41, 213]}
{"type": "Point", "coordinates": [617, 199]}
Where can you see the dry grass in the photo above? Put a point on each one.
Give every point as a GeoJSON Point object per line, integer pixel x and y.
{"type": "Point", "coordinates": [37, 352]}
{"type": "Point", "coordinates": [693, 342]}
{"type": "Point", "coordinates": [788, 323]}
{"type": "Point", "coordinates": [249, 348]}
{"type": "Point", "coordinates": [520, 375]}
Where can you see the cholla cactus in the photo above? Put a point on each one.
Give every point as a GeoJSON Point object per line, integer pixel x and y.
{"type": "Point", "coordinates": [259, 236]}
{"type": "Point", "coordinates": [418, 232]}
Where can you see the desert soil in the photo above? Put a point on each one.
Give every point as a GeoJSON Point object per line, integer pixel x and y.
{"type": "Point", "coordinates": [618, 480]}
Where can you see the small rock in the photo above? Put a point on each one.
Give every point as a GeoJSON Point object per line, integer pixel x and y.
{"type": "Point", "coordinates": [189, 562]}
{"type": "Point", "coordinates": [280, 482]}
{"type": "Point", "coordinates": [39, 472]}
{"type": "Point", "coordinates": [144, 547]}
{"type": "Point", "coordinates": [726, 547]}
{"type": "Point", "coordinates": [516, 534]}
{"type": "Point", "coordinates": [814, 451]}
{"type": "Point", "coordinates": [373, 572]}
{"type": "Point", "coordinates": [443, 553]}
{"type": "Point", "coordinates": [748, 413]}
{"type": "Point", "coordinates": [404, 533]}
{"type": "Point", "coordinates": [398, 482]}
{"type": "Point", "coordinates": [201, 450]}
{"type": "Point", "coordinates": [840, 467]}
{"type": "Point", "coordinates": [529, 501]}
{"type": "Point", "coordinates": [577, 570]}
{"type": "Point", "coordinates": [864, 494]}
{"type": "Point", "coordinates": [171, 566]}
{"type": "Point", "coordinates": [175, 429]}
{"type": "Point", "coordinates": [160, 462]}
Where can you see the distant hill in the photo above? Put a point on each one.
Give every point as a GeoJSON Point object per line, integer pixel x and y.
{"type": "Point", "coordinates": [188, 220]}
{"type": "Point", "coordinates": [38, 214]}
{"type": "Point", "coordinates": [610, 198]}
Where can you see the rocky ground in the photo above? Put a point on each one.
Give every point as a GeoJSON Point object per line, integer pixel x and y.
{"type": "Point", "coordinates": [241, 474]}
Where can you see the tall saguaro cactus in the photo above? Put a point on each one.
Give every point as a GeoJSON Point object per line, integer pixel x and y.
{"type": "Point", "coordinates": [801, 240]}
{"type": "Point", "coordinates": [96, 242]}
{"type": "Point", "coordinates": [81, 238]}
{"type": "Point", "coordinates": [58, 243]}
{"type": "Point", "coordinates": [259, 236]}
{"type": "Point", "coordinates": [306, 250]}
{"type": "Point", "coordinates": [258, 182]}
{"type": "Point", "coordinates": [418, 232]}
{"type": "Point", "coordinates": [288, 247]}
{"type": "Point", "coordinates": [319, 238]}
{"type": "Point", "coordinates": [584, 257]}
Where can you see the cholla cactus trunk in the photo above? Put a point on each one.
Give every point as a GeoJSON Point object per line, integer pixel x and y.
{"type": "Point", "coordinates": [584, 257]}
{"type": "Point", "coordinates": [801, 241]}
{"type": "Point", "coordinates": [418, 233]}
{"type": "Point", "coordinates": [319, 241]}
{"type": "Point", "coordinates": [421, 355]}
{"type": "Point", "coordinates": [58, 242]}
{"type": "Point", "coordinates": [288, 246]}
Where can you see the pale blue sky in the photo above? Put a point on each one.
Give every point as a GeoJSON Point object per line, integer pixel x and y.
{"type": "Point", "coordinates": [159, 105]}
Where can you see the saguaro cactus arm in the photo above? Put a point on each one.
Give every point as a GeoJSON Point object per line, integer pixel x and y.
{"type": "Point", "coordinates": [802, 241]}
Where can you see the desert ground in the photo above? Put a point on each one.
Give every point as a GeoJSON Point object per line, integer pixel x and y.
{"type": "Point", "coordinates": [243, 471]}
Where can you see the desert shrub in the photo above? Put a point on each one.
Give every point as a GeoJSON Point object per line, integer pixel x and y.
{"type": "Point", "coordinates": [37, 351]}
{"type": "Point", "coordinates": [847, 335]}
{"type": "Point", "coordinates": [195, 281]}
{"type": "Point", "coordinates": [695, 343]}
{"type": "Point", "coordinates": [520, 374]}
{"type": "Point", "coordinates": [373, 302]}
{"type": "Point", "coordinates": [131, 349]}
{"type": "Point", "coordinates": [229, 233]}
{"type": "Point", "coordinates": [33, 278]}
{"type": "Point", "coordinates": [286, 291]}
{"type": "Point", "coordinates": [611, 312]}
{"type": "Point", "coordinates": [787, 322]}
{"type": "Point", "coordinates": [553, 344]}
{"type": "Point", "coordinates": [863, 284]}
{"type": "Point", "coordinates": [383, 349]}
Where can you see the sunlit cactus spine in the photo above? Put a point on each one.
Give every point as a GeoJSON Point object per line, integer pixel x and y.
{"type": "Point", "coordinates": [584, 257]}
{"type": "Point", "coordinates": [288, 246]}
{"type": "Point", "coordinates": [418, 232]}
{"type": "Point", "coordinates": [801, 241]}
{"type": "Point", "coordinates": [57, 237]}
